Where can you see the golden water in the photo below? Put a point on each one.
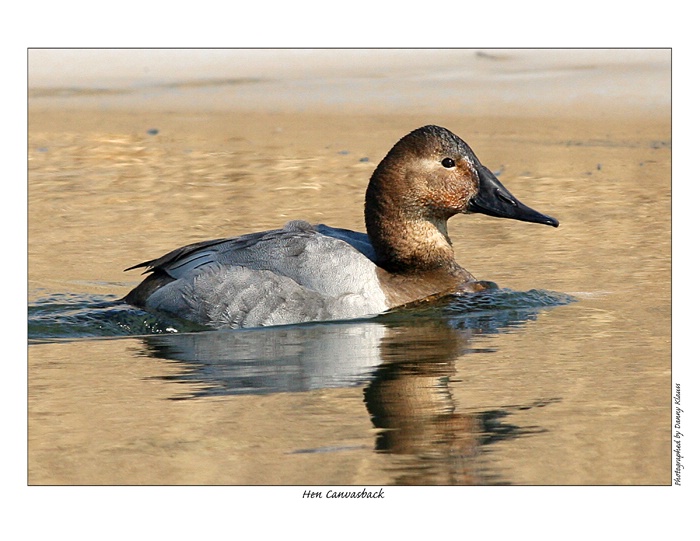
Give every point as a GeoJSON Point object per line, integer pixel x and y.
{"type": "Point", "coordinates": [579, 394]}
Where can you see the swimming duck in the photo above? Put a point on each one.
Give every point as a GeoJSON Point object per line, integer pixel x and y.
{"type": "Point", "coordinates": [305, 272]}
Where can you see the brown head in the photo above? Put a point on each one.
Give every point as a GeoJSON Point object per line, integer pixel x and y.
{"type": "Point", "coordinates": [427, 177]}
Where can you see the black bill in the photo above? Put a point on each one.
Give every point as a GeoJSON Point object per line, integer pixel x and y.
{"type": "Point", "coordinates": [494, 200]}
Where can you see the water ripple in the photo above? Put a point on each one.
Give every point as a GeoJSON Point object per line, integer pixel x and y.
{"type": "Point", "coordinates": [66, 316]}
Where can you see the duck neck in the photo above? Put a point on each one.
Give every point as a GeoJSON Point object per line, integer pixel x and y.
{"type": "Point", "coordinates": [405, 239]}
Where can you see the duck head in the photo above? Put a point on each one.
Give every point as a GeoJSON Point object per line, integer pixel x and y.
{"type": "Point", "coordinates": [431, 171]}
{"type": "Point", "coordinates": [427, 177]}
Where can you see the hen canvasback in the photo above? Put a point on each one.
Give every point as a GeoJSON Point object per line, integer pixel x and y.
{"type": "Point", "coordinates": [306, 272]}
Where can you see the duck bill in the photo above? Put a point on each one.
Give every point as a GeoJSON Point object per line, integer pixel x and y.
{"type": "Point", "coordinates": [494, 200]}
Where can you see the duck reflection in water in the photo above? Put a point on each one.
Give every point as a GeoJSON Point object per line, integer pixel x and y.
{"type": "Point", "coordinates": [406, 363]}
{"type": "Point", "coordinates": [410, 399]}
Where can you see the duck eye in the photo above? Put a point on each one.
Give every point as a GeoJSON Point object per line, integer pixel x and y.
{"type": "Point", "coordinates": [448, 163]}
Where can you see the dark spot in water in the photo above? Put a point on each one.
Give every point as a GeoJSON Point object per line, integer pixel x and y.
{"type": "Point", "coordinates": [491, 56]}
{"type": "Point", "coordinates": [152, 131]}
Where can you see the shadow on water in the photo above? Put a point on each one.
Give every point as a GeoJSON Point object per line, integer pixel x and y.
{"type": "Point", "coordinates": [404, 360]}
